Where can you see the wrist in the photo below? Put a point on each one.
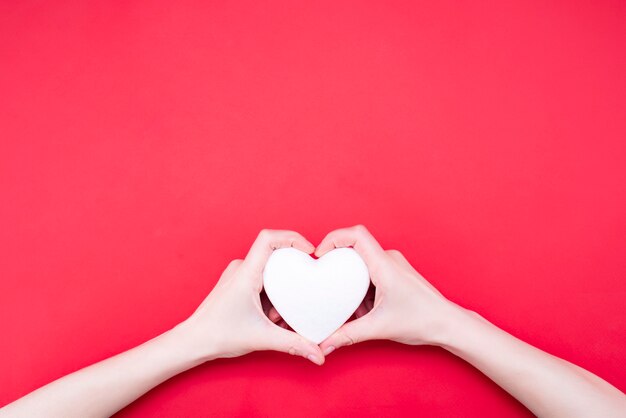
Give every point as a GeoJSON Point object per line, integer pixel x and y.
{"type": "Point", "coordinates": [453, 326]}
{"type": "Point", "coordinates": [191, 343]}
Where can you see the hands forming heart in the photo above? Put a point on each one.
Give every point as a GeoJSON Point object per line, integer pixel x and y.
{"type": "Point", "coordinates": [316, 297]}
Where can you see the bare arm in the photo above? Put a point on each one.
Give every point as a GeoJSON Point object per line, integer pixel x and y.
{"type": "Point", "coordinates": [408, 309]}
{"type": "Point", "coordinates": [545, 384]}
{"type": "Point", "coordinates": [105, 387]}
{"type": "Point", "coordinates": [229, 323]}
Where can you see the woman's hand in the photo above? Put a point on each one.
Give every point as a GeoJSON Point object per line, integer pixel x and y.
{"type": "Point", "coordinates": [231, 322]}
{"type": "Point", "coordinates": [405, 307]}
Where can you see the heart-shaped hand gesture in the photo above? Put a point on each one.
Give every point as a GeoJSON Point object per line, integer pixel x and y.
{"type": "Point", "coordinates": [315, 298]}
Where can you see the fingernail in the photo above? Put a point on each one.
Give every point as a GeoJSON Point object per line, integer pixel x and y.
{"type": "Point", "coordinates": [314, 359]}
{"type": "Point", "coordinates": [329, 350]}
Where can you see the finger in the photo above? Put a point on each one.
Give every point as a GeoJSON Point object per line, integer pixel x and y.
{"type": "Point", "coordinates": [361, 310]}
{"type": "Point", "coordinates": [270, 240]}
{"type": "Point", "coordinates": [265, 301]}
{"type": "Point", "coordinates": [368, 302]}
{"type": "Point", "coordinates": [359, 330]}
{"type": "Point", "coordinates": [399, 258]}
{"type": "Point", "coordinates": [269, 310]}
{"type": "Point", "coordinates": [229, 270]}
{"type": "Point", "coordinates": [273, 315]}
{"type": "Point", "coordinates": [279, 339]}
{"type": "Point", "coordinates": [357, 237]}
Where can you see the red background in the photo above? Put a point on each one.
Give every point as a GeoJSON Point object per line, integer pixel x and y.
{"type": "Point", "coordinates": [144, 144]}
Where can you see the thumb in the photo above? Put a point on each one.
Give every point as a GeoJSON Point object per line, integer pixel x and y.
{"type": "Point", "coordinates": [280, 339]}
{"type": "Point", "coordinates": [359, 330]}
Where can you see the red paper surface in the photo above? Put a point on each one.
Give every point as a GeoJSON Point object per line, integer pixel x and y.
{"type": "Point", "coordinates": [144, 144]}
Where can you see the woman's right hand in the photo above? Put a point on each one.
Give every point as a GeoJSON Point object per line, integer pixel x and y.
{"type": "Point", "coordinates": [405, 307]}
{"type": "Point", "coordinates": [232, 320]}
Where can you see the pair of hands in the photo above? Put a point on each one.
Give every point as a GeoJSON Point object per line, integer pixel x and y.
{"type": "Point", "coordinates": [232, 320]}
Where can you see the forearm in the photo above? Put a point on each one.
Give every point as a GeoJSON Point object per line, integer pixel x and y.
{"type": "Point", "coordinates": [547, 385]}
{"type": "Point", "coordinates": [105, 387]}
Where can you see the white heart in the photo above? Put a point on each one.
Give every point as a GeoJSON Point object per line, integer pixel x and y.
{"type": "Point", "coordinates": [315, 297]}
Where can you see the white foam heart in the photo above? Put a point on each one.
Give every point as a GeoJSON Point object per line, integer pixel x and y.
{"type": "Point", "coordinates": [315, 297]}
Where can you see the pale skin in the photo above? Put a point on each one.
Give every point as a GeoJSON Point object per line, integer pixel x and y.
{"type": "Point", "coordinates": [409, 310]}
{"type": "Point", "coordinates": [405, 308]}
{"type": "Point", "coordinates": [230, 322]}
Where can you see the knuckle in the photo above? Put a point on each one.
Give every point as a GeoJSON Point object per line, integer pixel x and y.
{"type": "Point", "coordinates": [275, 244]}
{"type": "Point", "coordinates": [296, 344]}
{"type": "Point", "coordinates": [347, 339]}
{"type": "Point", "coordinates": [235, 263]}
{"type": "Point", "coordinates": [393, 252]}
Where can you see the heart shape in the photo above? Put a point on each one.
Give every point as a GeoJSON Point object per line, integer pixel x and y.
{"type": "Point", "coordinates": [315, 297]}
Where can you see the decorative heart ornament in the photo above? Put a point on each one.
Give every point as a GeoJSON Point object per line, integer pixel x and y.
{"type": "Point", "coordinates": [315, 297]}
